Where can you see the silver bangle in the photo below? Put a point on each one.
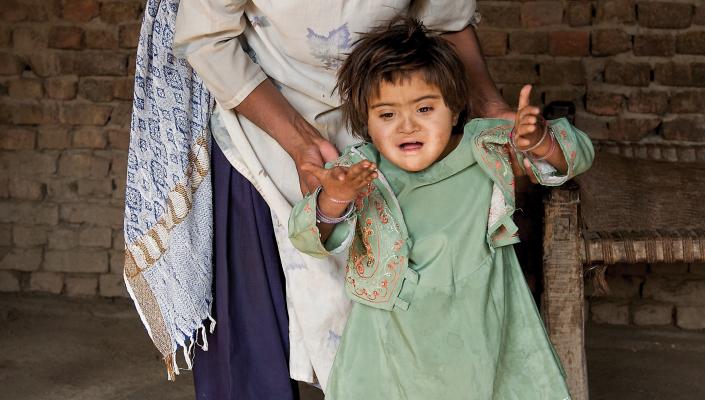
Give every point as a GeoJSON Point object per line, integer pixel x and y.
{"type": "Point", "coordinates": [324, 219]}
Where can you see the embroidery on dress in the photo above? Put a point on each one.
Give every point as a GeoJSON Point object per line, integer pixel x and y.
{"type": "Point", "coordinates": [327, 48]}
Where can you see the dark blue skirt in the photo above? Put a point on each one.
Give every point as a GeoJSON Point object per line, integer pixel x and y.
{"type": "Point", "coordinates": [247, 357]}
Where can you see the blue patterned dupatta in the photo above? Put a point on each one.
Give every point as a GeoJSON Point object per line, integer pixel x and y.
{"type": "Point", "coordinates": [168, 197]}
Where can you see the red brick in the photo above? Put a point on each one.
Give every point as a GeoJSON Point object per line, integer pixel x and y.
{"type": "Point", "coordinates": [10, 64]}
{"type": "Point", "coordinates": [95, 261]}
{"type": "Point", "coordinates": [96, 237]}
{"type": "Point", "coordinates": [129, 35]}
{"type": "Point", "coordinates": [579, 13]}
{"type": "Point", "coordinates": [648, 102]}
{"type": "Point", "coordinates": [119, 139]}
{"type": "Point", "coordinates": [541, 13]}
{"type": "Point", "coordinates": [89, 138]}
{"type": "Point", "coordinates": [699, 16]}
{"type": "Point", "coordinates": [512, 71]}
{"type": "Point", "coordinates": [25, 89]}
{"type": "Point", "coordinates": [576, 95]}
{"type": "Point", "coordinates": [562, 72]}
{"type": "Point", "coordinates": [493, 43]}
{"type": "Point", "coordinates": [691, 101]}
{"type": "Point", "coordinates": [101, 39]}
{"type": "Point", "coordinates": [106, 63]}
{"type": "Point", "coordinates": [113, 286]}
{"type": "Point", "coordinates": [604, 103]}
{"type": "Point", "coordinates": [500, 16]}
{"type": "Point", "coordinates": [609, 42]}
{"type": "Point", "coordinates": [5, 37]}
{"type": "Point", "coordinates": [630, 74]}
{"type": "Point", "coordinates": [569, 43]}
{"type": "Point", "coordinates": [54, 137]}
{"type": "Point", "coordinates": [655, 45]}
{"type": "Point", "coordinates": [12, 11]}
{"type": "Point", "coordinates": [50, 282]}
{"type": "Point", "coordinates": [616, 10]}
{"type": "Point", "coordinates": [22, 189]}
{"type": "Point", "coordinates": [85, 114]}
{"type": "Point", "coordinates": [80, 10]}
{"type": "Point", "coordinates": [9, 281]}
{"type": "Point", "coordinates": [131, 61]}
{"type": "Point", "coordinates": [122, 114]}
{"type": "Point", "coordinates": [81, 286]}
{"type": "Point", "coordinates": [698, 72]}
{"type": "Point", "coordinates": [115, 12]}
{"type": "Point", "coordinates": [61, 88]}
{"type": "Point", "coordinates": [28, 39]}
{"type": "Point", "coordinates": [673, 74]}
{"type": "Point", "coordinates": [633, 129]}
{"type": "Point", "coordinates": [666, 15]}
{"type": "Point", "coordinates": [686, 128]}
{"type": "Point", "coordinates": [691, 42]}
{"type": "Point", "coordinates": [83, 165]}
{"type": "Point", "coordinates": [66, 37]}
{"type": "Point", "coordinates": [528, 42]}
{"type": "Point", "coordinates": [17, 139]}
{"type": "Point", "coordinates": [46, 64]}
{"type": "Point", "coordinates": [31, 113]}
{"type": "Point", "coordinates": [29, 213]}
{"type": "Point", "coordinates": [123, 88]}
{"type": "Point", "coordinates": [595, 127]}
{"type": "Point", "coordinates": [96, 90]}
{"type": "Point", "coordinates": [94, 214]}
{"type": "Point", "coordinates": [511, 95]}
{"type": "Point", "coordinates": [93, 188]}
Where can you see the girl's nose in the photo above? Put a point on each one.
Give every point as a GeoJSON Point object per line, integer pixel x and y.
{"type": "Point", "coordinates": [408, 125]}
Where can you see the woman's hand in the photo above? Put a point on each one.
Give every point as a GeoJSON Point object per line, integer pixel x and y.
{"type": "Point", "coordinates": [315, 152]}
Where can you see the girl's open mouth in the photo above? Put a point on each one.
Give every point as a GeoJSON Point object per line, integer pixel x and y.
{"type": "Point", "coordinates": [411, 146]}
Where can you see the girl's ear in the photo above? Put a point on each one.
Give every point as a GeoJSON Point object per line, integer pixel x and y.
{"type": "Point", "coordinates": [455, 118]}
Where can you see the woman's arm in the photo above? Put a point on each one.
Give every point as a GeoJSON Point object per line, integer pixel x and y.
{"type": "Point", "coordinates": [485, 100]}
{"type": "Point", "coordinates": [206, 35]}
{"type": "Point", "coordinates": [268, 109]}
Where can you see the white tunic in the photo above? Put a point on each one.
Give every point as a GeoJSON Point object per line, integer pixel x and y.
{"type": "Point", "coordinates": [299, 45]}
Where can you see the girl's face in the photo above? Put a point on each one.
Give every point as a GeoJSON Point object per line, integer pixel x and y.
{"type": "Point", "coordinates": [410, 124]}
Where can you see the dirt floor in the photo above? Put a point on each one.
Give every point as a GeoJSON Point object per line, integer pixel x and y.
{"type": "Point", "coordinates": [59, 349]}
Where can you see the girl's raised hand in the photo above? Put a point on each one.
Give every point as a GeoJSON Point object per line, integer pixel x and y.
{"type": "Point", "coordinates": [343, 183]}
{"type": "Point", "coordinates": [529, 126]}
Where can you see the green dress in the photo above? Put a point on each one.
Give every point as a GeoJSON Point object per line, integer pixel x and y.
{"type": "Point", "coordinates": [472, 330]}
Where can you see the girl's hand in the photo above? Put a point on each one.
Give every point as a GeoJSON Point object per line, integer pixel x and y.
{"type": "Point", "coordinates": [529, 126]}
{"type": "Point", "coordinates": [342, 184]}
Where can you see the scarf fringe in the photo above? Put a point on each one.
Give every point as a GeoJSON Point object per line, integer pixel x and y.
{"type": "Point", "coordinates": [170, 360]}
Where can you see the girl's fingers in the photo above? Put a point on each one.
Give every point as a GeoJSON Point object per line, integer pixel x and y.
{"type": "Point", "coordinates": [524, 96]}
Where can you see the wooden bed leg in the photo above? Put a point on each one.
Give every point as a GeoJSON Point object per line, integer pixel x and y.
{"type": "Point", "coordinates": [563, 306]}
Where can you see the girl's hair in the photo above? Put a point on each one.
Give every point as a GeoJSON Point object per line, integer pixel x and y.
{"type": "Point", "coordinates": [391, 53]}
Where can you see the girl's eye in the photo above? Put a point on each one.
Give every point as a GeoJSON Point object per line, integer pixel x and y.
{"type": "Point", "coordinates": [425, 109]}
{"type": "Point", "coordinates": [386, 115]}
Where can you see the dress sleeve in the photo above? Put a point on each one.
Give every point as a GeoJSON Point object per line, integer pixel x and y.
{"type": "Point", "coordinates": [304, 233]}
{"type": "Point", "coordinates": [445, 15]}
{"type": "Point", "coordinates": [206, 34]}
{"type": "Point", "coordinates": [577, 149]}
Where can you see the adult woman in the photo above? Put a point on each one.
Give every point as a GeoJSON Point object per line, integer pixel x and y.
{"type": "Point", "coordinates": [280, 85]}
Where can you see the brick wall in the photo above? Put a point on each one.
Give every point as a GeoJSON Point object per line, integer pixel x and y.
{"type": "Point", "coordinates": [65, 101]}
{"type": "Point", "coordinates": [651, 295]}
{"type": "Point", "coordinates": [635, 70]}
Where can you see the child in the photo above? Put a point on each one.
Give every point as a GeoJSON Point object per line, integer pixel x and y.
{"type": "Point", "coordinates": [441, 307]}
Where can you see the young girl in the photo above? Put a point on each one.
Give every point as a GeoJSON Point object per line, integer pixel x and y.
{"type": "Point", "coordinates": [424, 206]}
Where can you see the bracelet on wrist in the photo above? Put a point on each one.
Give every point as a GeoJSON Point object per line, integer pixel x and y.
{"type": "Point", "coordinates": [321, 217]}
{"type": "Point", "coordinates": [551, 150]}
